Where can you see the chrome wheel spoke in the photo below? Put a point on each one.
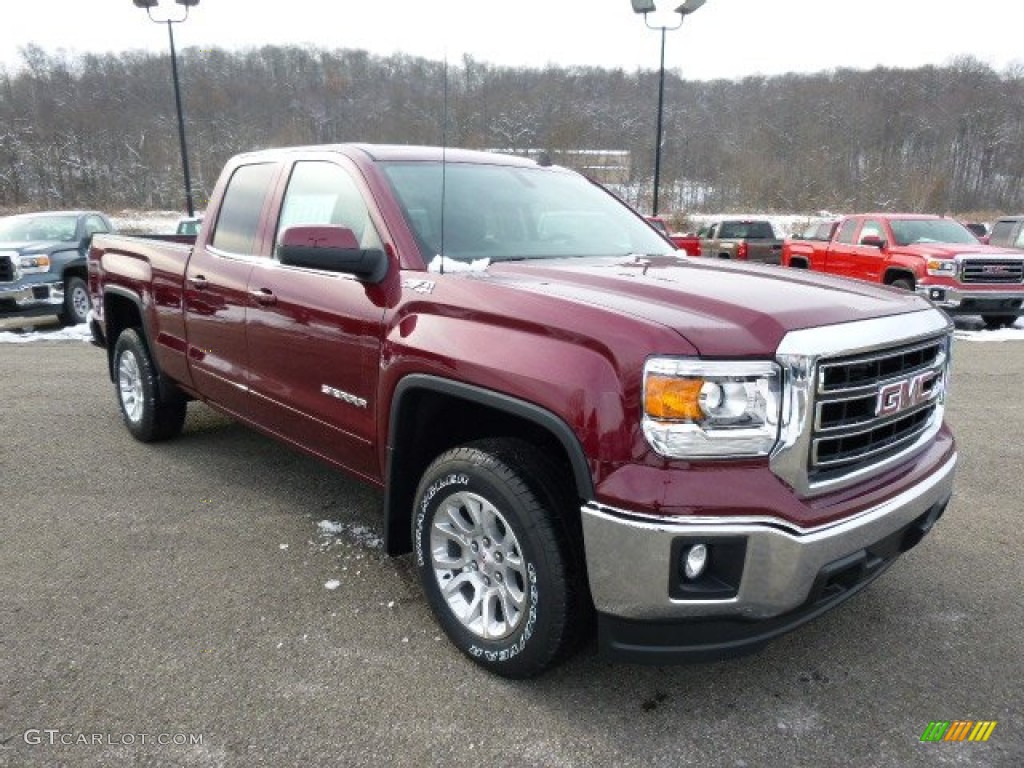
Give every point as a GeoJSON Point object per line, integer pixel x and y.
{"type": "Point", "coordinates": [129, 380]}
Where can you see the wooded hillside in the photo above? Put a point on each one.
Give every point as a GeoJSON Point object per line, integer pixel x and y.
{"type": "Point", "coordinates": [101, 130]}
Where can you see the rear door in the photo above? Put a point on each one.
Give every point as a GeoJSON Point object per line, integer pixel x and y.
{"type": "Point", "coordinates": [839, 259]}
{"type": "Point", "coordinates": [315, 336]}
{"type": "Point", "coordinates": [216, 288]}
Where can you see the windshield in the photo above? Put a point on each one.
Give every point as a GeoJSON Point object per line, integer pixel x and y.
{"type": "Point", "coordinates": [913, 231]}
{"type": "Point", "coordinates": [505, 213]}
{"type": "Point", "coordinates": [14, 228]}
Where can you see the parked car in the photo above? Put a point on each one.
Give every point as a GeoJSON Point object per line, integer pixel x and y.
{"type": "Point", "coordinates": [572, 423]}
{"type": "Point", "coordinates": [742, 240]}
{"type": "Point", "coordinates": [42, 263]}
{"type": "Point", "coordinates": [1008, 232]}
{"type": "Point", "coordinates": [933, 256]}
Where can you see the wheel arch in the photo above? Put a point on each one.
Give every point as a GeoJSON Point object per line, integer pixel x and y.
{"type": "Point", "coordinates": [421, 402]}
{"type": "Point", "coordinates": [892, 274]}
{"type": "Point", "coordinates": [122, 309]}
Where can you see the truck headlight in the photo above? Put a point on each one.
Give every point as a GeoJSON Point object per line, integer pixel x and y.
{"type": "Point", "coordinates": [941, 267]}
{"type": "Point", "coordinates": [32, 264]}
{"type": "Point", "coordinates": [706, 409]}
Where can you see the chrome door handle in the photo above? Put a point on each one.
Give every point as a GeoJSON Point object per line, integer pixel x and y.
{"type": "Point", "coordinates": [263, 296]}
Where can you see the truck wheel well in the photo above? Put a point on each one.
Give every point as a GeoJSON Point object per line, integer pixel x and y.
{"type": "Point", "coordinates": [796, 263]}
{"type": "Point", "coordinates": [898, 274]}
{"type": "Point", "coordinates": [427, 422]}
{"type": "Point", "coordinates": [76, 272]}
{"type": "Point", "coordinates": [119, 313]}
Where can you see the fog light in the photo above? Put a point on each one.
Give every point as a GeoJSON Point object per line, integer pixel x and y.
{"type": "Point", "coordinates": [696, 561]}
{"type": "Point", "coordinates": [936, 294]}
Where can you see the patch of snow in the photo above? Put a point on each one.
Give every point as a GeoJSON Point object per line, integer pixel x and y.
{"type": "Point", "coordinates": [446, 264]}
{"type": "Point", "coordinates": [332, 585]}
{"type": "Point", "coordinates": [360, 534]}
{"type": "Point", "coordinates": [29, 333]}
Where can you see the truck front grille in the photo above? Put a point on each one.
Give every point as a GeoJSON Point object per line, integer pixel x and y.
{"type": "Point", "coordinates": [6, 269]}
{"type": "Point", "coordinates": [991, 271]}
{"type": "Point", "coordinates": [870, 407]}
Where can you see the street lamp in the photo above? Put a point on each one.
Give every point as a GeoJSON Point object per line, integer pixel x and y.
{"type": "Point", "coordinates": [645, 7]}
{"type": "Point", "coordinates": [149, 5]}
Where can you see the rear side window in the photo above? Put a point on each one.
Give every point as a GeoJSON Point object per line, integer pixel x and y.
{"type": "Point", "coordinates": [1001, 232]}
{"type": "Point", "coordinates": [239, 219]}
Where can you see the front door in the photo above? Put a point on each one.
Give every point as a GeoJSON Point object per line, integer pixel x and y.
{"type": "Point", "coordinates": [314, 337]}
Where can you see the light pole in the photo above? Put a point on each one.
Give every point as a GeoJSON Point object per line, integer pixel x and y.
{"type": "Point", "coordinates": [149, 5]}
{"type": "Point", "coordinates": [645, 7]}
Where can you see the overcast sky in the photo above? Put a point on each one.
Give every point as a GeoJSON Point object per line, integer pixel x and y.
{"type": "Point", "coordinates": [725, 38]}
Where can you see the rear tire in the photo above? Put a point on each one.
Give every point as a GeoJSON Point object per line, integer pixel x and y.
{"type": "Point", "coordinates": [76, 302]}
{"type": "Point", "coordinates": [994, 322]}
{"type": "Point", "coordinates": [147, 417]}
{"type": "Point", "coordinates": [495, 557]}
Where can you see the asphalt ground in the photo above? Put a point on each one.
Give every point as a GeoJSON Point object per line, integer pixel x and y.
{"type": "Point", "coordinates": [165, 605]}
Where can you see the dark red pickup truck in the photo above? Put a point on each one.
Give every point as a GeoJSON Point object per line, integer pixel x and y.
{"type": "Point", "coordinates": [936, 257]}
{"type": "Point", "coordinates": [575, 425]}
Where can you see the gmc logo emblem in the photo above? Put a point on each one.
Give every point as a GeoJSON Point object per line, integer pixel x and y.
{"type": "Point", "coordinates": [995, 269]}
{"type": "Point", "coordinates": [901, 395]}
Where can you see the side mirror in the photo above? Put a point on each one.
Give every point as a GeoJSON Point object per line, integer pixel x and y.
{"type": "Point", "coordinates": [332, 249]}
{"type": "Point", "coordinates": [873, 241]}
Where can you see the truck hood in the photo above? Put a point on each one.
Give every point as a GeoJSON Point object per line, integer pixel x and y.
{"type": "Point", "coordinates": [723, 309]}
{"type": "Point", "coordinates": [31, 247]}
{"type": "Point", "coordinates": [952, 250]}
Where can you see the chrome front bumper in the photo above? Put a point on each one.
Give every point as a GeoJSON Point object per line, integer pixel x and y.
{"type": "Point", "coordinates": [630, 562]}
{"type": "Point", "coordinates": [954, 298]}
{"type": "Point", "coordinates": [28, 296]}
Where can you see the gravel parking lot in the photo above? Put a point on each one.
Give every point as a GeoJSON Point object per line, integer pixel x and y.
{"type": "Point", "coordinates": [166, 605]}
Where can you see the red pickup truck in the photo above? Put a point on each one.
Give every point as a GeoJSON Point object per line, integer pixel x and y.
{"type": "Point", "coordinates": [687, 242]}
{"type": "Point", "coordinates": [936, 257]}
{"type": "Point", "coordinates": [576, 427]}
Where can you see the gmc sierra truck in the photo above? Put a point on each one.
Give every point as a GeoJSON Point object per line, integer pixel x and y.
{"type": "Point", "coordinates": [936, 257]}
{"type": "Point", "coordinates": [42, 263]}
{"type": "Point", "coordinates": [578, 429]}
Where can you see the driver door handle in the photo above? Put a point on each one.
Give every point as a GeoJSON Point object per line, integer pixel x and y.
{"type": "Point", "coordinates": [263, 296]}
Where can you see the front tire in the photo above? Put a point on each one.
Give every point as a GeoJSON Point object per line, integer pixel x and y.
{"type": "Point", "coordinates": [76, 302]}
{"type": "Point", "coordinates": [903, 283]}
{"type": "Point", "coordinates": [145, 415]}
{"type": "Point", "coordinates": [494, 559]}
{"type": "Point", "coordinates": [994, 322]}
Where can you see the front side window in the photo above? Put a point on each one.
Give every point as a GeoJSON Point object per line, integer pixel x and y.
{"type": "Point", "coordinates": [324, 193]}
{"type": "Point", "coordinates": [846, 231]}
{"type": "Point", "coordinates": [872, 228]}
{"type": "Point", "coordinates": [506, 213]}
{"type": "Point", "coordinates": [239, 219]}
{"type": "Point", "coordinates": [94, 224]}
